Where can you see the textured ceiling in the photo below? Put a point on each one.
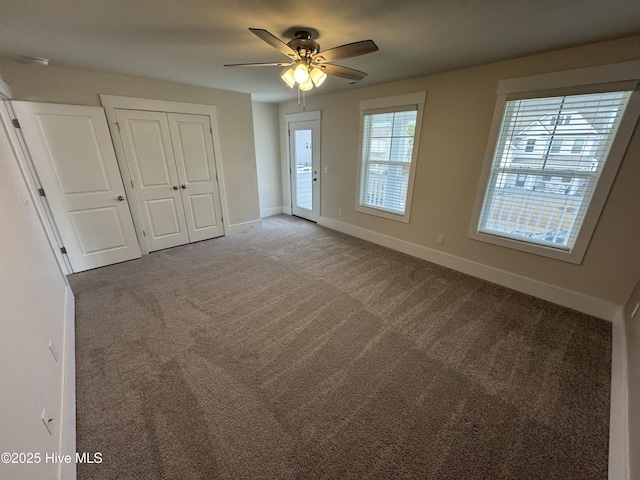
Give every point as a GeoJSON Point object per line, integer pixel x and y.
{"type": "Point", "coordinates": [188, 41]}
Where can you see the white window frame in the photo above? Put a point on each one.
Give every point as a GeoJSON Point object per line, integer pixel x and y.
{"type": "Point", "coordinates": [416, 99]}
{"type": "Point", "coordinates": [619, 76]}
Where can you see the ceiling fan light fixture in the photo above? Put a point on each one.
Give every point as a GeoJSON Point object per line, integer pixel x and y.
{"type": "Point", "coordinates": [306, 86]}
{"type": "Point", "coordinates": [288, 77]}
{"type": "Point", "coordinates": [318, 76]}
{"type": "Point", "coordinates": [301, 73]}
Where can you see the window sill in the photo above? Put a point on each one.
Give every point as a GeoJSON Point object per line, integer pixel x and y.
{"type": "Point", "coordinates": [383, 214]}
{"type": "Point", "coordinates": [574, 256]}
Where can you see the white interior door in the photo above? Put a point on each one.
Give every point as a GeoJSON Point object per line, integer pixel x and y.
{"type": "Point", "coordinates": [304, 153]}
{"type": "Point", "coordinates": [195, 163]}
{"type": "Point", "coordinates": [146, 140]}
{"type": "Point", "coordinates": [76, 164]}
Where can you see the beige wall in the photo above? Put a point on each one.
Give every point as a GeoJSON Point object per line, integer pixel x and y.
{"type": "Point", "coordinates": [633, 376]}
{"type": "Point", "coordinates": [33, 309]}
{"type": "Point", "coordinates": [82, 87]}
{"type": "Point", "coordinates": [266, 127]}
{"type": "Point", "coordinates": [458, 114]}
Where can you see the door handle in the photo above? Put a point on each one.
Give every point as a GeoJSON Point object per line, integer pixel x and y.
{"type": "Point", "coordinates": [120, 198]}
{"type": "Point", "coordinates": [183, 186]}
{"type": "Point", "coordinates": [175, 187]}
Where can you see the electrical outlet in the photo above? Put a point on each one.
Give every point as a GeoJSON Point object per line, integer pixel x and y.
{"type": "Point", "coordinates": [339, 213]}
{"type": "Point", "coordinates": [440, 239]}
{"type": "Point", "coordinates": [48, 421]}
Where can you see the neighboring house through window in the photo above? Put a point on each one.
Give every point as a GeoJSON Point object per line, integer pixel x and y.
{"type": "Point", "coordinates": [547, 200]}
{"type": "Point", "coordinates": [388, 152]}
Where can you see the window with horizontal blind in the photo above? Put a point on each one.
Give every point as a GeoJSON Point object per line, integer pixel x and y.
{"type": "Point", "coordinates": [388, 155]}
{"type": "Point", "coordinates": [552, 163]}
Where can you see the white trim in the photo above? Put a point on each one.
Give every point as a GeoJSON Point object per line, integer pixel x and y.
{"type": "Point", "coordinates": [30, 177]}
{"type": "Point", "coordinates": [619, 416]}
{"type": "Point", "coordinates": [562, 80]}
{"type": "Point", "coordinates": [314, 116]}
{"type": "Point", "coordinates": [113, 102]}
{"type": "Point", "coordinates": [415, 98]}
{"type": "Point", "coordinates": [67, 471]}
{"type": "Point", "coordinates": [5, 90]}
{"type": "Point", "coordinates": [303, 117]}
{"type": "Point", "coordinates": [389, 103]}
{"type": "Point", "coordinates": [271, 211]}
{"type": "Point", "coordinates": [601, 74]}
{"type": "Point", "coordinates": [135, 103]}
{"type": "Point", "coordinates": [558, 295]}
{"type": "Point", "coordinates": [244, 226]}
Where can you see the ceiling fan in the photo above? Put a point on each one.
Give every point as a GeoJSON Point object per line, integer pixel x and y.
{"type": "Point", "coordinates": [308, 66]}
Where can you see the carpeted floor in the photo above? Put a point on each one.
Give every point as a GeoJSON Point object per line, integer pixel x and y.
{"type": "Point", "coordinates": [296, 352]}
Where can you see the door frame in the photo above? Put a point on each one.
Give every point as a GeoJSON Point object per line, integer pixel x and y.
{"type": "Point", "coordinates": [316, 138]}
{"type": "Point", "coordinates": [19, 146]}
{"type": "Point", "coordinates": [113, 102]}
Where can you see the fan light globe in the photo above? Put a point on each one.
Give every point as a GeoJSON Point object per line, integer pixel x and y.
{"type": "Point", "coordinates": [287, 77]}
{"type": "Point", "coordinates": [306, 86]}
{"type": "Point", "coordinates": [301, 73]}
{"type": "Point", "coordinates": [318, 76]}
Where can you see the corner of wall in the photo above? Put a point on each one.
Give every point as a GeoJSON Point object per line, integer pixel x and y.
{"type": "Point", "coordinates": [68, 415]}
{"type": "Point", "coordinates": [619, 416]}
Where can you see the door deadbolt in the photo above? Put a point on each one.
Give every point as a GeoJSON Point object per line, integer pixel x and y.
{"type": "Point", "coordinates": [120, 198]}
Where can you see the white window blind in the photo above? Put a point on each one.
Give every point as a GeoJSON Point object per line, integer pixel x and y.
{"type": "Point", "coordinates": [387, 153]}
{"type": "Point", "coordinates": [548, 158]}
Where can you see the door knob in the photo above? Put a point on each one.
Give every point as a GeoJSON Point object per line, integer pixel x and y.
{"type": "Point", "coordinates": [183, 186]}
{"type": "Point", "coordinates": [175, 188]}
{"type": "Point", "coordinates": [121, 198]}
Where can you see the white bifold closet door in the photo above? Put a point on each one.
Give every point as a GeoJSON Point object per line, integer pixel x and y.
{"type": "Point", "coordinates": [172, 167]}
{"type": "Point", "coordinates": [75, 162]}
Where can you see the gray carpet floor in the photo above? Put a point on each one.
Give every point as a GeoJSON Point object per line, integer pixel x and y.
{"type": "Point", "coordinates": [296, 352]}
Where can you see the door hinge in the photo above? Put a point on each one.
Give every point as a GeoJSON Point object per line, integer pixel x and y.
{"type": "Point", "coordinates": [211, 130]}
{"type": "Point", "coordinates": [131, 183]}
{"type": "Point", "coordinates": [144, 234]}
{"type": "Point", "coordinates": [41, 192]}
{"type": "Point", "coordinates": [117, 125]}
{"type": "Point", "coordinates": [16, 123]}
{"type": "Point", "coordinates": [63, 250]}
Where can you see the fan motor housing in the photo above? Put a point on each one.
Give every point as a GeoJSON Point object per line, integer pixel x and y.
{"type": "Point", "coordinates": [304, 45]}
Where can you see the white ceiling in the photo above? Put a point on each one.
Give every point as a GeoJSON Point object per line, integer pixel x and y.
{"type": "Point", "coordinates": [188, 41]}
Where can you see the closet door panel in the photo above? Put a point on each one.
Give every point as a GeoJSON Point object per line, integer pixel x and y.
{"type": "Point", "coordinates": [146, 140]}
{"type": "Point", "coordinates": [195, 163]}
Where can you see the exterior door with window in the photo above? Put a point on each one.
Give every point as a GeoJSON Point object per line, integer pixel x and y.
{"type": "Point", "coordinates": [304, 153]}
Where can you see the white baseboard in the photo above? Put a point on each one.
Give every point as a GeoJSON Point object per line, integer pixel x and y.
{"type": "Point", "coordinates": [287, 210]}
{"type": "Point", "coordinates": [269, 212]}
{"type": "Point", "coordinates": [619, 417]}
{"type": "Point", "coordinates": [244, 226]}
{"type": "Point", "coordinates": [67, 471]}
{"type": "Point", "coordinates": [558, 295]}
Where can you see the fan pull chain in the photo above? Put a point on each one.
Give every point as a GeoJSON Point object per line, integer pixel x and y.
{"type": "Point", "coordinates": [302, 96]}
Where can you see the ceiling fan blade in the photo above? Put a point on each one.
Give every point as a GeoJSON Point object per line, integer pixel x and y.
{"type": "Point", "coordinates": [346, 51]}
{"type": "Point", "coordinates": [274, 41]}
{"type": "Point", "coordinates": [270, 64]}
{"type": "Point", "coordinates": [343, 72]}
